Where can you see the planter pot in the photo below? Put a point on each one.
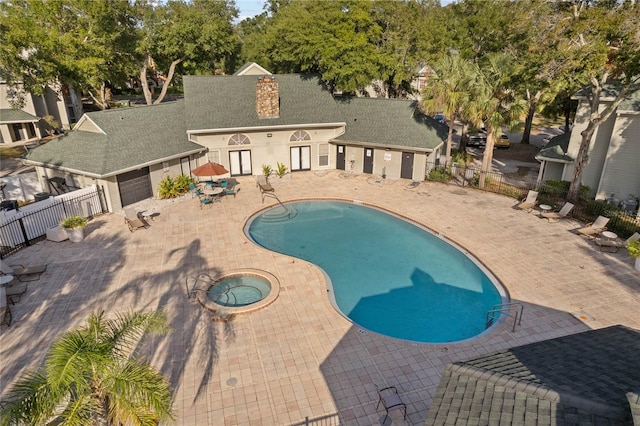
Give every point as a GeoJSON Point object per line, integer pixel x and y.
{"type": "Point", "coordinates": [638, 263]}
{"type": "Point", "coordinates": [76, 235]}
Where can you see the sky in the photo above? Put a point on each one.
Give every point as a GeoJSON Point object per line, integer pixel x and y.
{"type": "Point", "coordinates": [251, 8]}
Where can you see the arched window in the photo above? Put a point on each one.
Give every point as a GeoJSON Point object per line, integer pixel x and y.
{"type": "Point", "coordinates": [239, 139]}
{"type": "Point", "coordinates": [300, 135]}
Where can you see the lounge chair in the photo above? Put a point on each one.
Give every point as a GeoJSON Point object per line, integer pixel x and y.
{"type": "Point", "coordinates": [562, 214]}
{"type": "Point", "coordinates": [607, 244]}
{"type": "Point", "coordinates": [22, 273]}
{"type": "Point", "coordinates": [5, 312]}
{"type": "Point", "coordinates": [15, 291]}
{"type": "Point", "coordinates": [263, 184]}
{"type": "Point", "coordinates": [390, 401]}
{"type": "Point", "coordinates": [133, 221]}
{"type": "Point", "coordinates": [593, 229]}
{"type": "Point", "coordinates": [530, 202]}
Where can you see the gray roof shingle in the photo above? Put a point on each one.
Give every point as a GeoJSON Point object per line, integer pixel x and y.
{"type": "Point", "coordinates": [9, 115]}
{"type": "Point", "coordinates": [581, 379]}
{"type": "Point", "coordinates": [218, 102]}
{"type": "Point", "coordinates": [134, 137]}
{"type": "Point", "coordinates": [556, 149]}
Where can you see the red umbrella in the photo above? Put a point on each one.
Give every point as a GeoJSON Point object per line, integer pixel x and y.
{"type": "Point", "coordinates": [209, 169]}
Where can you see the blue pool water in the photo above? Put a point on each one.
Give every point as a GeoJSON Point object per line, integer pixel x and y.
{"type": "Point", "coordinates": [388, 275]}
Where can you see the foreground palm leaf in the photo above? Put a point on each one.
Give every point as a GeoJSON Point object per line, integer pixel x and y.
{"type": "Point", "coordinates": [91, 376]}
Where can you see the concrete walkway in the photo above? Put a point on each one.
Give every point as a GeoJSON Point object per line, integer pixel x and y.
{"type": "Point", "coordinates": [298, 358]}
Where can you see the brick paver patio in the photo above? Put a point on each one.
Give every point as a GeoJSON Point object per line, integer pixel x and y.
{"type": "Point", "coordinates": [298, 358]}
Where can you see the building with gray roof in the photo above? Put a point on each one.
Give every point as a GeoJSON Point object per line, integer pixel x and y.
{"type": "Point", "coordinates": [242, 122]}
{"type": "Point", "coordinates": [589, 378]}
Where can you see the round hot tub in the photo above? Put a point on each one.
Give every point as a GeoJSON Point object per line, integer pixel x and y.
{"type": "Point", "coordinates": [239, 292]}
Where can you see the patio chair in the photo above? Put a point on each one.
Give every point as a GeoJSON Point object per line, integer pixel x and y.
{"type": "Point", "coordinates": [556, 216]}
{"type": "Point", "coordinates": [23, 273]}
{"type": "Point", "coordinates": [390, 401]}
{"type": "Point", "coordinates": [594, 228]}
{"type": "Point", "coordinates": [613, 246]}
{"type": "Point", "coordinates": [133, 221]}
{"type": "Point", "coordinates": [194, 190]}
{"type": "Point", "coordinates": [205, 201]}
{"type": "Point", "coordinates": [263, 184]}
{"type": "Point", "coordinates": [231, 189]}
{"type": "Point", "coordinates": [529, 203]}
{"type": "Point", "coordinates": [15, 291]}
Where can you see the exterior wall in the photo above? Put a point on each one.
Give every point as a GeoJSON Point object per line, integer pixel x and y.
{"type": "Point", "coordinates": [552, 171]}
{"type": "Point", "coordinates": [269, 150]}
{"type": "Point", "coordinates": [621, 171]}
{"type": "Point", "coordinates": [354, 160]}
{"type": "Point", "coordinates": [597, 150]}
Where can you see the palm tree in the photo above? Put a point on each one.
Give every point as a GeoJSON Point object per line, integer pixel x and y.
{"type": "Point", "coordinates": [447, 92]}
{"type": "Point", "coordinates": [91, 376]}
{"type": "Point", "coordinates": [493, 103]}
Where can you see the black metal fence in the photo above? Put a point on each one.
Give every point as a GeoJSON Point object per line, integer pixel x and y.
{"type": "Point", "coordinates": [20, 228]}
{"type": "Point", "coordinates": [622, 222]}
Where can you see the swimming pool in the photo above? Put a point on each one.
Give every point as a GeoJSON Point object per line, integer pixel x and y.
{"type": "Point", "coordinates": [387, 275]}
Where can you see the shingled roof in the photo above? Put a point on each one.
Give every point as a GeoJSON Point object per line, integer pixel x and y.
{"type": "Point", "coordinates": [556, 149]}
{"type": "Point", "coordinates": [9, 115]}
{"type": "Point", "coordinates": [390, 122]}
{"type": "Point", "coordinates": [588, 378]}
{"type": "Point", "coordinates": [220, 102]}
{"type": "Point", "coordinates": [132, 138]}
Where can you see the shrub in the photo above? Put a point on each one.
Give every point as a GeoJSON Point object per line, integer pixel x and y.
{"type": "Point", "coordinates": [266, 170]}
{"type": "Point", "coordinates": [634, 248]}
{"type": "Point", "coordinates": [461, 156]}
{"type": "Point", "coordinates": [182, 183]}
{"type": "Point", "coordinates": [439, 174]}
{"type": "Point", "coordinates": [282, 170]}
{"type": "Point", "coordinates": [174, 187]}
{"type": "Point", "coordinates": [74, 222]}
{"type": "Point", "coordinates": [560, 188]}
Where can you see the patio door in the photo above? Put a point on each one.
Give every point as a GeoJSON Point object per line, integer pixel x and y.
{"type": "Point", "coordinates": [340, 157]}
{"type": "Point", "coordinates": [300, 158]}
{"type": "Point", "coordinates": [240, 162]}
{"type": "Point", "coordinates": [367, 165]}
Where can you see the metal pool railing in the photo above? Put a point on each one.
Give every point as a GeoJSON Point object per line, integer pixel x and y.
{"type": "Point", "coordinates": [513, 309]}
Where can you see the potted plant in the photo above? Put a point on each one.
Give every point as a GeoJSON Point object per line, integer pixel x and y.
{"type": "Point", "coordinates": [634, 251]}
{"type": "Point", "coordinates": [266, 171]}
{"type": "Point", "coordinates": [74, 225]}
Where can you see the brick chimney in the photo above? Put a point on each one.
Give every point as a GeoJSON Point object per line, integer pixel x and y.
{"type": "Point", "coordinates": [267, 98]}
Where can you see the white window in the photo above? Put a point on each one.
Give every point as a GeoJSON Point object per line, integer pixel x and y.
{"type": "Point", "coordinates": [239, 139]}
{"type": "Point", "coordinates": [323, 154]}
{"type": "Point", "coordinates": [300, 135]}
{"type": "Point", "coordinates": [214, 156]}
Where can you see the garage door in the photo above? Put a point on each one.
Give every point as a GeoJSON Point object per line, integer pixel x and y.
{"type": "Point", "coordinates": [134, 186]}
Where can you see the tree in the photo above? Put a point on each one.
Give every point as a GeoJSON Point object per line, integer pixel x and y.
{"type": "Point", "coordinates": [92, 376]}
{"type": "Point", "coordinates": [195, 36]}
{"type": "Point", "coordinates": [448, 92]}
{"type": "Point", "coordinates": [83, 43]}
{"type": "Point", "coordinates": [607, 42]}
{"type": "Point", "coordinates": [493, 102]}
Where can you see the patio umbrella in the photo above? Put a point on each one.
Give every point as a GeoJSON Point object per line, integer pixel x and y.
{"type": "Point", "coordinates": [210, 169]}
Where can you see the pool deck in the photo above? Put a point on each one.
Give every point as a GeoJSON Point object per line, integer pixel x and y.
{"type": "Point", "coordinates": [298, 358]}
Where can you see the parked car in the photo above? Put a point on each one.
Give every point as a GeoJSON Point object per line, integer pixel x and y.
{"type": "Point", "coordinates": [503, 142]}
{"type": "Point", "coordinates": [440, 118]}
{"type": "Point", "coordinates": [478, 139]}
